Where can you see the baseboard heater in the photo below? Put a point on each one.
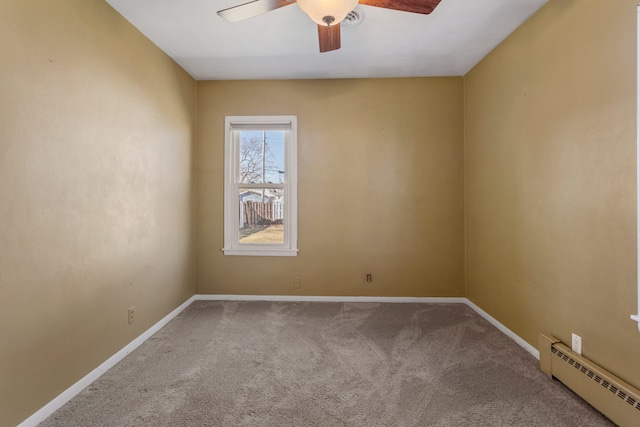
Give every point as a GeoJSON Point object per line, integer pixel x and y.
{"type": "Point", "coordinates": [617, 400]}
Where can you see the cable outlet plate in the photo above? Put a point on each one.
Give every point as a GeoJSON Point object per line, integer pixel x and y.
{"type": "Point", "coordinates": [576, 343]}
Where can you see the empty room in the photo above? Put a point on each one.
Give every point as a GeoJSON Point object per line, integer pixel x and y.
{"type": "Point", "coordinates": [412, 213]}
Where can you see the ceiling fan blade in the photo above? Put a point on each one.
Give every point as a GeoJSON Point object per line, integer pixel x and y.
{"type": "Point", "coordinates": [329, 37]}
{"type": "Point", "coordinates": [416, 6]}
{"type": "Point", "coordinates": [251, 9]}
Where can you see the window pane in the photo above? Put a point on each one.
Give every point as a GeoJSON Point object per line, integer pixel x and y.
{"type": "Point", "coordinates": [261, 157]}
{"type": "Point", "coordinates": [261, 215]}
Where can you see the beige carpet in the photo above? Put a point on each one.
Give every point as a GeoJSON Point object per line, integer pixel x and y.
{"type": "Point", "coordinates": [327, 364]}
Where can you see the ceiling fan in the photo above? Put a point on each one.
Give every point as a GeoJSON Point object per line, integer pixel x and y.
{"type": "Point", "coordinates": [326, 13]}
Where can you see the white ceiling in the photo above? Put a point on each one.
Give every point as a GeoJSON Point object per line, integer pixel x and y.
{"type": "Point", "coordinates": [283, 44]}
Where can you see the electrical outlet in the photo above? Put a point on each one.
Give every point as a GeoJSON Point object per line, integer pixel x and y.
{"type": "Point", "coordinates": [131, 315]}
{"type": "Point", "coordinates": [296, 282]}
{"type": "Point", "coordinates": [369, 278]}
{"type": "Point", "coordinates": [576, 343]}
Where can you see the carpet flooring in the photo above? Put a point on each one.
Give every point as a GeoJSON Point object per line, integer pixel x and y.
{"type": "Point", "coordinates": [326, 364]}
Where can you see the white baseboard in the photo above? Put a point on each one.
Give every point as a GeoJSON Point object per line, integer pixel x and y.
{"type": "Point", "coordinates": [301, 298]}
{"type": "Point", "coordinates": [76, 388]}
{"type": "Point", "coordinates": [508, 332]}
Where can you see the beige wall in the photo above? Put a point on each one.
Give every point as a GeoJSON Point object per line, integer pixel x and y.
{"type": "Point", "coordinates": [379, 187]}
{"type": "Point", "coordinates": [550, 180]}
{"type": "Point", "coordinates": [96, 135]}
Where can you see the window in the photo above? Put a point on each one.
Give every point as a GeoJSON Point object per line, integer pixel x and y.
{"type": "Point", "coordinates": [260, 186]}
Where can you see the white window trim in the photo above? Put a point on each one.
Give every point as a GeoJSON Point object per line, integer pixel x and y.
{"type": "Point", "coordinates": [232, 246]}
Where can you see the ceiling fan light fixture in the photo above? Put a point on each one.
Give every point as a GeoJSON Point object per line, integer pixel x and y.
{"type": "Point", "coordinates": [327, 12]}
{"type": "Point", "coordinates": [328, 20]}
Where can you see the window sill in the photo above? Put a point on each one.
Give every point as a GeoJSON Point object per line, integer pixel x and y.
{"type": "Point", "coordinates": [260, 252]}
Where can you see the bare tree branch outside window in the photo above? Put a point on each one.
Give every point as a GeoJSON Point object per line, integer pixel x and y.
{"type": "Point", "coordinates": [252, 152]}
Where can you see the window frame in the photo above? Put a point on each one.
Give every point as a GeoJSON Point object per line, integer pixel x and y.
{"type": "Point", "coordinates": [232, 185]}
